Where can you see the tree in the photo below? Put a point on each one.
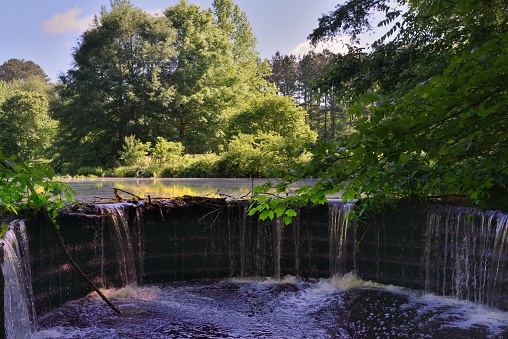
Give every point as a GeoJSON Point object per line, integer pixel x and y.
{"type": "Point", "coordinates": [250, 72]}
{"type": "Point", "coordinates": [277, 116]}
{"type": "Point", "coordinates": [134, 152]}
{"type": "Point", "coordinates": [298, 77]}
{"type": "Point", "coordinates": [216, 69]}
{"type": "Point", "coordinates": [285, 73]}
{"type": "Point", "coordinates": [27, 129]}
{"type": "Point", "coordinates": [199, 74]}
{"type": "Point", "coordinates": [16, 69]}
{"type": "Point", "coordinates": [431, 107]}
{"type": "Point", "coordinates": [116, 87]}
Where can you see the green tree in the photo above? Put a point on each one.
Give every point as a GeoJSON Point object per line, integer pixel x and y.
{"type": "Point", "coordinates": [166, 151]}
{"type": "Point", "coordinates": [116, 87]}
{"type": "Point", "coordinates": [134, 152]}
{"type": "Point", "coordinates": [259, 155]}
{"type": "Point", "coordinates": [430, 103]}
{"type": "Point", "coordinates": [27, 128]}
{"type": "Point", "coordinates": [200, 74]}
{"type": "Point", "coordinates": [216, 68]}
{"type": "Point", "coordinates": [30, 185]}
{"type": "Point", "coordinates": [249, 71]}
{"type": "Point", "coordinates": [276, 116]}
{"type": "Point", "coordinates": [285, 73]}
{"type": "Point", "coordinates": [16, 69]}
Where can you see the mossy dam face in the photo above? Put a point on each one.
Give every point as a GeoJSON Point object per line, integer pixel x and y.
{"type": "Point", "coordinates": [203, 268]}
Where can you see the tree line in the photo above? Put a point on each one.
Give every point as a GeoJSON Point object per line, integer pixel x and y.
{"type": "Point", "coordinates": [429, 101]}
{"type": "Point", "coordinates": [182, 93]}
{"type": "Point", "coordinates": [421, 112]}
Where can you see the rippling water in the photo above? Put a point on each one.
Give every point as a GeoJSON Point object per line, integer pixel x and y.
{"type": "Point", "coordinates": [265, 308]}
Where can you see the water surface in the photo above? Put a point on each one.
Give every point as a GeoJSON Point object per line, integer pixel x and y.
{"type": "Point", "coordinates": [98, 189]}
{"type": "Point", "coordinates": [265, 308]}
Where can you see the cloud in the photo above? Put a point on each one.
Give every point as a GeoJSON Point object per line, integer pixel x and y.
{"type": "Point", "coordinates": [336, 46]}
{"type": "Point", "coordinates": [67, 22]}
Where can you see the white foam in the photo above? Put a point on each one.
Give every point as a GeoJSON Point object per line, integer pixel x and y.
{"type": "Point", "coordinates": [462, 313]}
{"type": "Point", "coordinates": [124, 292]}
{"type": "Point", "coordinates": [350, 280]}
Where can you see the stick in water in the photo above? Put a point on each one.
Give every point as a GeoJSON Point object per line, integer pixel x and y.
{"type": "Point", "coordinates": [73, 263]}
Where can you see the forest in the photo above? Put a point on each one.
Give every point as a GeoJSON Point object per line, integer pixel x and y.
{"type": "Point", "coordinates": [421, 112]}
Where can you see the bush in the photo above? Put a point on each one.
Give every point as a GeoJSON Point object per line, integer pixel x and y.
{"type": "Point", "coordinates": [126, 171]}
{"type": "Point", "coordinates": [166, 151]}
{"type": "Point", "coordinates": [134, 152]}
{"type": "Point", "coordinates": [200, 166]}
{"type": "Point", "coordinates": [250, 155]}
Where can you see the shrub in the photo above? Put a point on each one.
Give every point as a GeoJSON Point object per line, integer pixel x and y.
{"type": "Point", "coordinates": [88, 171]}
{"type": "Point", "coordinates": [200, 166]}
{"type": "Point", "coordinates": [134, 152]}
{"type": "Point", "coordinates": [165, 151]}
{"type": "Point", "coordinates": [125, 171]}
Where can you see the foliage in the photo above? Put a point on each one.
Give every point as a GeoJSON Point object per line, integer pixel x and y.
{"type": "Point", "coordinates": [126, 172]}
{"type": "Point", "coordinates": [29, 185]}
{"type": "Point", "coordinates": [272, 114]}
{"type": "Point", "coordinates": [87, 171]}
{"type": "Point", "coordinates": [114, 89]}
{"type": "Point", "coordinates": [179, 77]}
{"type": "Point", "coordinates": [134, 152]}
{"type": "Point", "coordinates": [27, 129]}
{"type": "Point", "coordinates": [165, 151]}
{"type": "Point", "coordinates": [253, 156]}
{"type": "Point", "coordinates": [298, 77]}
{"type": "Point", "coordinates": [16, 69]}
{"type": "Point", "coordinates": [199, 166]}
{"type": "Point", "coordinates": [215, 69]}
{"type": "Point", "coordinates": [430, 106]}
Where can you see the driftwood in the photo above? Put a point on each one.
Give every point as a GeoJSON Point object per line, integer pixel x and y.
{"type": "Point", "coordinates": [73, 263]}
{"type": "Point", "coordinates": [119, 198]}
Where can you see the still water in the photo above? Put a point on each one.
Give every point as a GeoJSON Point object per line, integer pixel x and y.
{"type": "Point", "coordinates": [265, 308]}
{"type": "Point", "coordinates": [102, 188]}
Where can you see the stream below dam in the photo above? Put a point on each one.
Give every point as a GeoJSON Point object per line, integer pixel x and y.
{"type": "Point", "coordinates": [345, 307]}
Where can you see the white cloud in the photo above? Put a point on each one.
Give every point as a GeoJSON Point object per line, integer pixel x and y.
{"type": "Point", "coordinates": [336, 46]}
{"type": "Point", "coordinates": [67, 22]}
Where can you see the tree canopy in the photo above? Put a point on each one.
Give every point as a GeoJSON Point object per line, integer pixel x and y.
{"type": "Point", "coordinates": [430, 102]}
{"type": "Point", "coordinates": [16, 69]}
{"type": "Point", "coordinates": [178, 76]}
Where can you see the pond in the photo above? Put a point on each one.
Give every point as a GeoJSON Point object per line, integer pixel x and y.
{"type": "Point", "coordinates": [98, 189]}
{"type": "Point", "coordinates": [266, 308]}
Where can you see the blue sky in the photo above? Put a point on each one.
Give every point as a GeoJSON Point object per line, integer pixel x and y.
{"type": "Point", "coordinates": [46, 31]}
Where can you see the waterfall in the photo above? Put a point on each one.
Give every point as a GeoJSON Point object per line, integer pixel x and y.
{"type": "Point", "coordinates": [121, 237]}
{"type": "Point", "coordinates": [342, 233]}
{"type": "Point", "coordinates": [19, 308]}
{"type": "Point", "coordinates": [279, 228]}
{"type": "Point", "coordinates": [498, 263]}
{"type": "Point", "coordinates": [464, 252]}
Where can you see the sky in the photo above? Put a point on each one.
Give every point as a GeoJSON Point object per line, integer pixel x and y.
{"type": "Point", "coordinates": [46, 31]}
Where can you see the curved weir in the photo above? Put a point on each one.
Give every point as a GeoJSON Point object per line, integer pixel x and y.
{"type": "Point", "coordinates": [203, 268]}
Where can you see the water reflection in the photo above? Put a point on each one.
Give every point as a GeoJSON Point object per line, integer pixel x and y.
{"type": "Point", "coordinates": [95, 189]}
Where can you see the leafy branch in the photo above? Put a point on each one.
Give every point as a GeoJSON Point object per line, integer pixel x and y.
{"type": "Point", "coordinates": [30, 185]}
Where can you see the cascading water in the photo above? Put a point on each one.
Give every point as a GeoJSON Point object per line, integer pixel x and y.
{"type": "Point", "coordinates": [279, 225]}
{"type": "Point", "coordinates": [19, 308]}
{"type": "Point", "coordinates": [120, 232]}
{"type": "Point", "coordinates": [341, 230]}
{"type": "Point", "coordinates": [463, 252]}
{"type": "Point", "coordinates": [498, 263]}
